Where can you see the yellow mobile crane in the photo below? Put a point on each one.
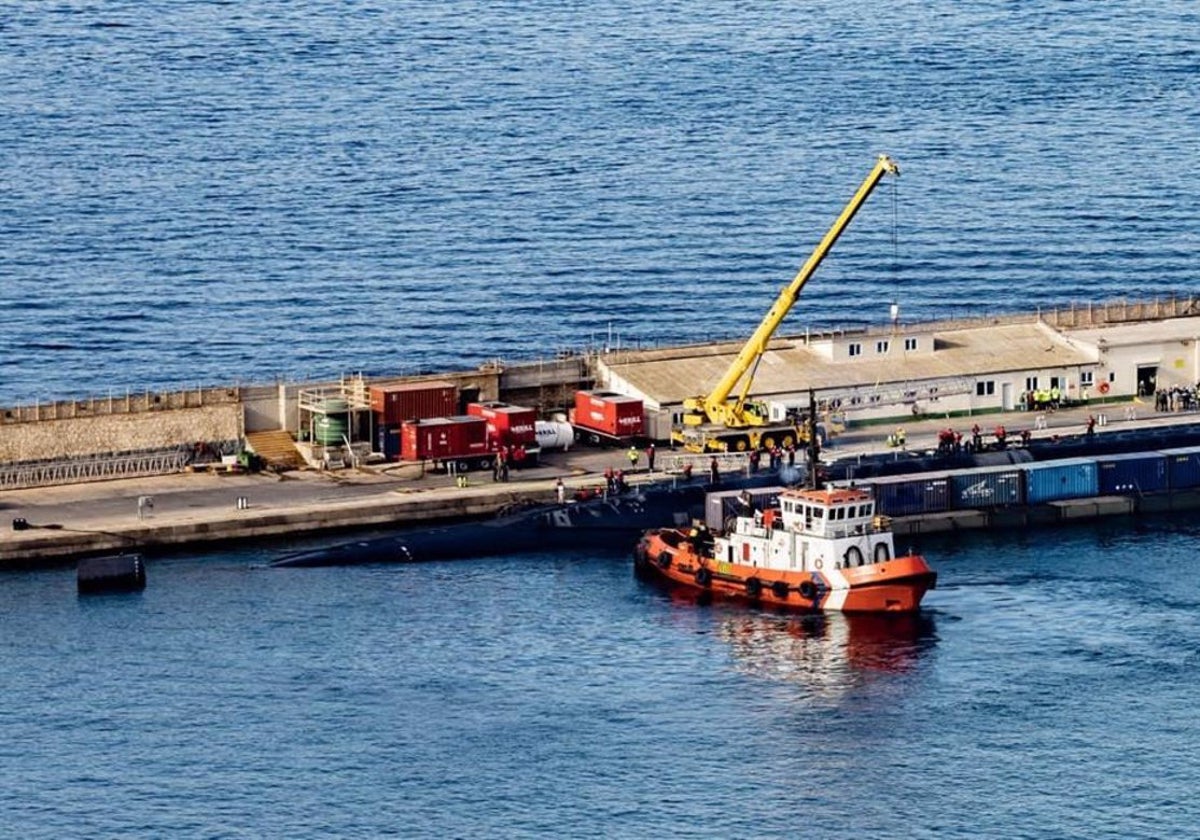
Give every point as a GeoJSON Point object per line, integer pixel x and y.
{"type": "Point", "coordinates": [721, 422]}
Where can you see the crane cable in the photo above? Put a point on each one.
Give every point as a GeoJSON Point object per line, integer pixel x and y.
{"type": "Point", "coordinates": [895, 242]}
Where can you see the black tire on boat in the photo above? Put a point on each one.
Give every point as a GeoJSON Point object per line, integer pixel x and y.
{"type": "Point", "coordinates": [753, 587]}
{"type": "Point", "coordinates": [664, 560]}
{"type": "Point", "coordinates": [808, 590]}
{"type": "Point", "coordinates": [704, 577]}
{"type": "Point", "coordinates": [780, 589]}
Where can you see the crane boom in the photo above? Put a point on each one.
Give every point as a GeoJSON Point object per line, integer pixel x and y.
{"type": "Point", "coordinates": [717, 407]}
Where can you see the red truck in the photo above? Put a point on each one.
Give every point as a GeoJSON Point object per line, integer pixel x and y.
{"type": "Point", "coordinates": [510, 426]}
{"type": "Point", "coordinates": [459, 443]}
{"type": "Point", "coordinates": [607, 418]}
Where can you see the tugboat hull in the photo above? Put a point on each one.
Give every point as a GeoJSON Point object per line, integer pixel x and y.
{"type": "Point", "coordinates": [896, 586]}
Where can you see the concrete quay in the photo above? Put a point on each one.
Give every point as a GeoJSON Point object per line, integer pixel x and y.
{"type": "Point", "coordinates": [66, 522]}
{"type": "Point", "coordinates": [186, 509]}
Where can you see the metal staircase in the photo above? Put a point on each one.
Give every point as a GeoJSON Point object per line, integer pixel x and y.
{"type": "Point", "coordinates": [277, 448]}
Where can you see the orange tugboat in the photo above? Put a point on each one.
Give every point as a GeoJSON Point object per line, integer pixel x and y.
{"type": "Point", "coordinates": [817, 550]}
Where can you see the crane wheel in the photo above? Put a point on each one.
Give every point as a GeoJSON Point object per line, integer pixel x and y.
{"type": "Point", "coordinates": [788, 441]}
{"type": "Point", "coordinates": [738, 444]}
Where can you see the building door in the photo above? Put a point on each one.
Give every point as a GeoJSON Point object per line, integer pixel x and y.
{"type": "Point", "coordinates": [1147, 379]}
{"type": "Point", "coordinates": [1006, 400]}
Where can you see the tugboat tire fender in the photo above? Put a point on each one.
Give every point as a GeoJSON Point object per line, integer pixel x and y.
{"type": "Point", "coordinates": [664, 560]}
{"type": "Point", "coordinates": [808, 590]}
{"type": "Point", "coordinates": [704, 577]}
{"type": "Point", "coordinates": [780, 589]}
{"type": "Point", "coordinates": [753, 587]}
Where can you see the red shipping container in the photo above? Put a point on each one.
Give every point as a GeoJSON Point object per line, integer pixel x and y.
{"type": "Point", "coordinates": [443, 437]}
{"type": "Point", "coordinates": [613, 414]}
{"type": "Point", "coordinates": [395, 404]}
{"type": "Point", "coordinates": [509, 425]}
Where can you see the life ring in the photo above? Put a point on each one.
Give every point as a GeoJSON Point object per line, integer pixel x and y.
{"type": "Point", "coordinates": [704, 577]}
{"type": "Point", "coordinates": [882, 555]}
{"type": "Point", "coordinates": [1103, 388]}
{"type": "Point", "coordinates": [853, 556]}
{"type": "Point", "coordinates": [753, 587]}
{"type": "Point", "coordinates": [780, 589]}
{"type": "Point", "coordinates": [664, 560]}
{"type": "Point", "coordinates": [808, 589]}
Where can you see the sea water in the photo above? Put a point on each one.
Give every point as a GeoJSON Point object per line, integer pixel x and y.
{"type": "Point", "coordinates": [206, 193]}
{"type": "Point", "coordinates": [209, 193]}
{"type": "Point", "coordinates": [1047, 689]}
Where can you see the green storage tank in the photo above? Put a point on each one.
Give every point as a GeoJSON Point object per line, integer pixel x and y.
{"type": "Point", "coordinates": [330, 429]}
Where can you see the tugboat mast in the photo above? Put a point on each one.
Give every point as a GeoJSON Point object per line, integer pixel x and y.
{"type": "Point", "coordinates": [814, 444]}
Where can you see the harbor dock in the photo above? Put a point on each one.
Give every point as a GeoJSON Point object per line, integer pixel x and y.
{"type": "Point", "coordinates": [58, 524]}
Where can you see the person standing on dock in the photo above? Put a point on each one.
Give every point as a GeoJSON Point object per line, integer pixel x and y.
{"type": "Point", "coordinates": [560, 491]}
{"type": "Point", "coordinates": [633, 458]}
{"type": "Point", "coordinates": [714, 472]}
{"type": "Point", "coordinates": [650, 457]}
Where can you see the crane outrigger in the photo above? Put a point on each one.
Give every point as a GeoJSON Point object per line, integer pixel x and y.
{"type": "Point", "coordinates": [721, 421]}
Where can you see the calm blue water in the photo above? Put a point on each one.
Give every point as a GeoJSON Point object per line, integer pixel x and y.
{"type": "Point", "coordinates": [1046, 691]}
{"type": "Point", "coordinates": [199, 193]}
{"type": "Point", "coordinates": [206, 192]}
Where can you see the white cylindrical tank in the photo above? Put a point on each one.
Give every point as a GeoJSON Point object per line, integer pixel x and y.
{"type": "Point", "coordinates": [554, 434]}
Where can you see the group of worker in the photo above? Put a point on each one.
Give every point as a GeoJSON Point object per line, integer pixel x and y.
{"type": "Point", "coordinates": [1041, 399]}
{"type": "Point", "coordinates": [615, 481]}
{"type": "Point", "coordinates": [775, 457]}
{"type": "Point", "coordinates": [1177, 398]}
{"type": "Point", "coordinates": [634, 456]}
{"type": "Point", "coordinates": [951, 442]}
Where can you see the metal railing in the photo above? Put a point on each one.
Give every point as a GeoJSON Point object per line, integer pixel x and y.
{"type": "Point", "coordinates": [139, 464]}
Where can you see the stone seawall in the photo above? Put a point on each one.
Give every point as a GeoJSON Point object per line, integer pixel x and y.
{"type": "Point", "coordinates": [72, 437]}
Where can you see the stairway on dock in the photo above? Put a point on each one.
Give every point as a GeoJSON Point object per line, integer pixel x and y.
{"type": "Point", "coordinates": [277, 448]}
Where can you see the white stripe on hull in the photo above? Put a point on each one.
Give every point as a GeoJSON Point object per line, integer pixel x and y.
{"type": "Point", "coordinates": [840, 590]}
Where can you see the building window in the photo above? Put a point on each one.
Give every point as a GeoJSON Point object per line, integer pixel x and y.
{"type": "Point", "coordinates": [1085, 379]}
{"type": "Point", "coordinates": [855, 349]}
{"type": "Point", "coordinates": [1030, 383]}
{"type": "Point", "coordinates": [985, 389]}
{"type": "Point", "coordinates": [881, 346]}
{"type": "Point", "coordinates": [910, 344]}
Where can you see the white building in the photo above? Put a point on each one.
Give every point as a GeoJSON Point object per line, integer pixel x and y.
{"type": "Point", "coordinates": [1104, 352]}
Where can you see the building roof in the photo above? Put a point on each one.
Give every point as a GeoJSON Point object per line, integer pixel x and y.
{"type": "Point", "coordinates": [792, 365]}
{"type": "Point", "coordinates": [1140, 332]}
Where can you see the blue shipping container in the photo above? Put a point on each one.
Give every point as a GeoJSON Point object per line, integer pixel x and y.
{"type": "Point", "coordinates": [1183, 467]}
{"type": "Point", "coordinates": [1132, 474]}
{"type": "Point", "coordinates": [912, 494]}
{"type": "Point", "coordinates": [388, 438]}
{"type": "Point", "coordinates": [1052, 481]}
{"type": "Point", "coordinates": [986, 487]}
